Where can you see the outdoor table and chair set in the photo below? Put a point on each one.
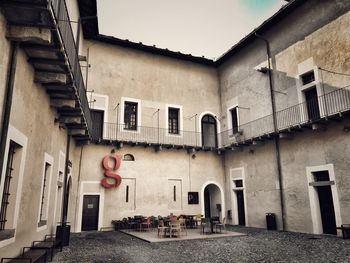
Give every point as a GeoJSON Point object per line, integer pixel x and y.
{"type": "Point", "coordinates": [171, 226]}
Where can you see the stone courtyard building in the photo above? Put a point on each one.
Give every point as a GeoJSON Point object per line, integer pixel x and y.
{"type": "Point", "coordinates": [262, 129]}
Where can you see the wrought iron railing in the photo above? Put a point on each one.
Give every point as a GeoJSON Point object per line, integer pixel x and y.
{"type": "Point", "coordinates": [148, 135]}
{"type": "Point", "coordinates": [328, 105]}
{"type": "Point", "coordinates": [62, 20]}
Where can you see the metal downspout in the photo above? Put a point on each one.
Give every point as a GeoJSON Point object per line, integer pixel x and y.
{"type": "Point", "coordinates": [10, 81]}
{"type": "Point", "coordinates": [64, 200]}
{"type": "Point", "coordinates": [277, 139]}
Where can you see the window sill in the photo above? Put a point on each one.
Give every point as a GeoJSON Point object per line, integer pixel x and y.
{"type": "Point", "coordinates": [7, 234]}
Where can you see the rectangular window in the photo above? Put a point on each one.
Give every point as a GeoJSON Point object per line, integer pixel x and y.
{"type": "Point", "coordinates": [234, 118]}
{"type": "Point", "coordinates": [6, 193]}
{"type": "Point", "coordinates": [308, 77]}
{"type": "Point", "coordinates": [173, 116]}
{"type": "Point", "coordinates": [127, 194]}
{"type": "Point", "coordinates": [174, 192]}
{"type": "Point", "coordinates": [238, 183]}
{"type": "Point", "coordinates": [43, 205]}
{"type": "Point", "coordinates": [130, 115]}
{"type": "Point", "coordinates": [321, 176]}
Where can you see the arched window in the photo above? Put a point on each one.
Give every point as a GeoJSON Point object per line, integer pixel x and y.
{"type": "Point", "coordinates": [209, 133]}
{"type": "Point", "coordinates": [128, 157]}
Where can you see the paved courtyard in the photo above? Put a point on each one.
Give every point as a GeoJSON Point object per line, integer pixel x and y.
{"type": "Point", "coordinates": [257, 246]}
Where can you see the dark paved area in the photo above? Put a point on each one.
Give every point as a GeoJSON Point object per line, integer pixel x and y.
{"type": "Point", "coordinates": [258, 246]}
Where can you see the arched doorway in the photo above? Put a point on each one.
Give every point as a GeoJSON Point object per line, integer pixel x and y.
{"type": "Point", "coordinates": [209, 131]}
{"type": "Point", "coordinates": [212, 196]}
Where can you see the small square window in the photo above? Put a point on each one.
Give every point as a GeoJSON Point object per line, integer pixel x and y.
{"type": "Point", "coordinates": [321, 176]}
{"type": "Point", "coordinates": [238, 183]}
{"type": "Point", "coordinates": [308, 77]}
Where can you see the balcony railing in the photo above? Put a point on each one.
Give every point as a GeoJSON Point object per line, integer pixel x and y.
{"type": "Point", "coordinates": [148, 135]}
{"type": "Point", "coordinates": [329, 105]}
{"type": "Point", "coordinates": [321, 108]}
{"type": "Point", "coordinates": [60, 12]}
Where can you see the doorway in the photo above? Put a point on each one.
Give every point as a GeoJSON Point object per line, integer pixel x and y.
{"type": "Point", "coordinates": [207, 203]}
{"type": "Point", "coordinates": [209, 132]}
{"type": "Point", "coordinates": [97, 123]}
{"type": "Point", "coordinates": [213, 205]}
{"type": "Point", "coordinates": [90, 212]}
{"type": "Point", "coordinates": [312, 106]}
{"type": "Point", "coordinates": [325, 199]}
{"type": "Point", "coordinates": [240, 207]}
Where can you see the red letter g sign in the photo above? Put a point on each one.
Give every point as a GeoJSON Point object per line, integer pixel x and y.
{"type": "Point", "coordinates": [109, 172]}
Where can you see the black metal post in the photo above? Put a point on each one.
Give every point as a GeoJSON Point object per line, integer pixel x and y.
{"type": "Point", "coordinates": [64, 201]}
{"type": "Point", "coordinates": [10, 83]}
{"type": "Point", "coordinates": [274, 117]}
{"type": "Point", "coordinates": [77, 41]}
{"type": "Point", "coordinates": [63, 231]}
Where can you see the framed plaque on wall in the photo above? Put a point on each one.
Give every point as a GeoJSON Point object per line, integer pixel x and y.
{"type": "Point", "coordinates": [193, 198]}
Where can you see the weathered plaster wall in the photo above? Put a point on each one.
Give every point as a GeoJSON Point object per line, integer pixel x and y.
{"type": "Point", "coordinates": [314, 148]}
{"type": "Point", "coordinates": [155, 80]}
{"type": "Point", "coordinates": [322, 43]}
{"type": "Point", "coordinates": [32, 116]}
{"type": "Point", "coordinates": [151, 171]}
{"type": "Point", "coordinates": [262, 194]}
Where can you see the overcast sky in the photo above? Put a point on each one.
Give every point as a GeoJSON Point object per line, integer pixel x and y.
{"type": "Point", "coordinates": [198, 27]}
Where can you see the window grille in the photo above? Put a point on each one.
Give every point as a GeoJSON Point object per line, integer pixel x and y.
{"type": "Point", "coordinates": [41, 218]}
{"type": "Point", "coordinates": [130, 115]}
{"type": "Point", "coordinates": [6, 192]}
{"type": "Point", "coordinates": [173, 116]}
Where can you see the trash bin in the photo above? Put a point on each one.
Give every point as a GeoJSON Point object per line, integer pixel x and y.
{"type": "Point", "coordinates": [63, 234]}
{"type": "Point", "coordinates": [346, 231]}
{"type": "Point", "coordinates": [271, 221]}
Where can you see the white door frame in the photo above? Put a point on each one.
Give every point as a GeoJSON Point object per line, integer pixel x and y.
{"type": "Point", "coordinates": [223, 207]}
{"type": "Point", "coordinates": [234, 195]}
{"type": "Point", "coordinates": [314, 201]}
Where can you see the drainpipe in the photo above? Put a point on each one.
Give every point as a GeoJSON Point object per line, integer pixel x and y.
{"type": "Point", "coordinates": [63, 230]}
{"type": "Point", "coordinates": [78, 185]}
{"type": "Point", "coordinates": [64, 201]}
{"type": "Point", "coordinates": [277, 140]}
{"type": "Point", "coordinates": [10, 81]}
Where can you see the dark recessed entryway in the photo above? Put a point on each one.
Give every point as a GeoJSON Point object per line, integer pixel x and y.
{"type": "Point", "coordinates": [90, 212]}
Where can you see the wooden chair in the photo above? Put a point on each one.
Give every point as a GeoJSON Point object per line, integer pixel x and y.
{"type": "Point", "coordinates": [174, 228]}
{"type": "Point", "coordinates": [183, 228]}
{"type": "Point", "coordinates": [199, 220]}
{"type": "Point", "coordinates": [220, 225]}
{"type": "Point", "coordinates": [162, 229]}
{"type": "Point", "coordinates": [146, 224]}
{"type": "Point", "coordinates": [205, 222]}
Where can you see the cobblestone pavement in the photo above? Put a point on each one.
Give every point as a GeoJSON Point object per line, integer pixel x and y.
{"type": "Point", "coordinates": [258, 246]}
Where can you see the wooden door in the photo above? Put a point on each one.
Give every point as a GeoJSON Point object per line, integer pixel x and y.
{"type": "Point", "coordinates": [313, 108]}
{"type": "Point", "coordinates": [90, 212]}
{"type": "Point", "coordinates": [97, 123]}
{"type": "Point", "coordinates": [327, 209]}
{"type": "Point", "coordinates": [240, 207]}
